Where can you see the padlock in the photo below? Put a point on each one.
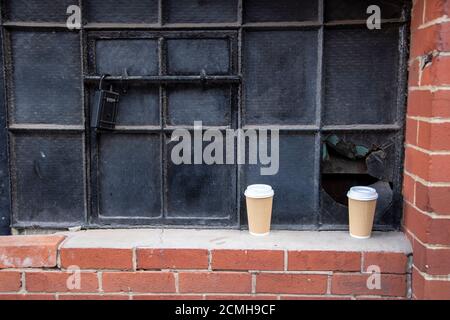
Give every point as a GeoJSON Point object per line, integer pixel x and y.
{"type": "Point", "coordinates": [107, 107]}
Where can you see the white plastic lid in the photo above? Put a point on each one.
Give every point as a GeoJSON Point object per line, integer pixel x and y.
{"type": "Point", "coordinates": [259, 191]}
{"type": "Point", "coordinates": [362, 194]}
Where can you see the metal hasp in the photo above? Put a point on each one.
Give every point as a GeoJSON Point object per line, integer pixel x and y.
{"type": "Point", "coordinates": [107, 107]}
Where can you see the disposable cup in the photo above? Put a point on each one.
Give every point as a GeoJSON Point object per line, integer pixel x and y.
{"type": "Point", "coordinates": [362, 203]}
{"type": "Point", "coordinates": [259, 199]}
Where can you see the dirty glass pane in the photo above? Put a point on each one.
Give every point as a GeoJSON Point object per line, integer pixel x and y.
{"type": "Point", "coordinates": [122, 11]}
{"type": "Point", "coordinates": [200, 190]}
{"type": "Point", "coordinates": [129, 175]}
{"type": "Point", "coordinates": [280, 10]}
{"type": "Point", "coordinates": [280, 76]}
{"type": "Point", "coordinates": [357, 10]}
{"type": "Point", "coordinates": [205, 11]}
{"type": "Point", "coordinates": [48, 178]}
{"type": "Point", "coordinates": [46, 77]}
{"type": "Point", "coordinates": [191, 56]}
{"type": "Point", "coordinates": [37, 10]}
{"type": "Point", "coordinates": [295, 200]}
{"type": "Point", "coordinates": [188, 103]}
{"type": "Point", "coordinates": [139, 57]}
{"type": "Point", "coordinates": [138, 107]}
{"type": "Point", "coordinates": [374, 165]}
{"type": "Point", "coordinates": [361, 82]}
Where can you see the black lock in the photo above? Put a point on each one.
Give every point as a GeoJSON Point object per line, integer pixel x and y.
{"type": "Point", "coordinates": [107, 108]}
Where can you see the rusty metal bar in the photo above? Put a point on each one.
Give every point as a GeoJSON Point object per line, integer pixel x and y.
{"type": "Point", "coordinates": [165, 79]}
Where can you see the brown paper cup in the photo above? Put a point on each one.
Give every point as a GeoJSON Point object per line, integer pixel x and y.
{"type": "Point", "coordinates": [259, 214]}
{"type": "Point", "coordinates": [259, 199]}
{"type": "Point", "coordinates": [362, 203]}
{"type": "Point", "coordinates": [361, 215]}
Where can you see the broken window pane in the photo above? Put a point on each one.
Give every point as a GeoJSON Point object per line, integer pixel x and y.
{"type": "Point", "coordinates": [357, 10]}
{"type": "Point", "coordinates": [367, 159]}
{"type": "Point", "coordinates": [211, 105]}
{"type": "Point", "coordinates": [122, 11]}
{"type": "Point", "coordinates": [129, 175]}
{"type": "Point", "coordinates": [46, 76]}
{"type": "Point", "coordinates": [280, 77]}
{"type": "Point", "coordinates": [205, 11]}
{"type": "Point", "coordinates": [361, 68]}
{"type": "Point", "coordinates": [295, 201]}
{"type": "Point", "coordinates": [280, 10]}
{"type": "Point", "coordinates": [191, 56]}
{"type": "Point", "coordinates": [138, 57]}
{"type": "Point", "coordinates": [48, 178]}
{"type": "Point", "coordinates": [37, 10]}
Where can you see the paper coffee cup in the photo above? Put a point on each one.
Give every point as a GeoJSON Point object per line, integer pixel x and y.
{"type": "Point", "coordinates": [362, 203]}
{"type": "Point", "coordinates": [259, 199]}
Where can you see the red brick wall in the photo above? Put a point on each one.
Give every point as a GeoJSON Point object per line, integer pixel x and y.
{"type": "Point", "coordinates": [36, 267]}
{"type": "Point", "coordinates": [427, 164]}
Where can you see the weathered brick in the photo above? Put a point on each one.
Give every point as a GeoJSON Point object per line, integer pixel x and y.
{"type": "Point", "coordinates": [247, 260]}
{"type": "Point", "coordinates": [29, 251]}
{"type": "Point", "coordinates": [93, 297]}
{"type": "Point", "coordinates": [417, 163]}
{"type": "Point", "coordinates": [414, 72]}
{"type": "Point", "coordinates": [388, 262]}
{"type": "Point", "coordinates": [433, 199]}
{"type": "Point", "coordinates": [435, 9]}
{"type": "Point", "coordinates": [214, 282]}
{"type": "Point", "coordinates": [57, 281]}
{"type": "Point", "coordinates": [411, 131]}
{"type": "Point", "coordinates": [438, 72]}
{"type": "Point", "coordinates": [27, 296]}
{"type": "Point", "coordinates": [430, 39]}
{"type": "Point", "coordinates": [140, 282]}
{"type": "Point", "coordinates": [430, 167]}
{"type": "Point", "coordinates": [424, 103]}
{"type": "Point", "coordinates": [291, 283]}
{"type": "Point", "coordinates": [172, 258]}
{"type": "Point", "coordinates": [430, 260]}
{"type": "Point", "coordinates": [417, 14]}
{"type": "Point", "coordinates": [434, 136]}
{"type": "Point", "coordinates": [427, 229]}
{"type": "Point", "coordinates": [438, 289]}
{"type": "Point", "coordinates": [324, 261]}
{"type": "Point", "coordinates": [97, 258]}
{"type": "Point", "coordinates": [356, 284]}
{"type": "Point", "coordinates": [10, 281]}
{"type": "Point", "coordinates": [409, 187]}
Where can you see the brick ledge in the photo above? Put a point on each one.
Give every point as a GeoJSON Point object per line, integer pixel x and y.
{"type": "Point", "coordinates": [205, 264]}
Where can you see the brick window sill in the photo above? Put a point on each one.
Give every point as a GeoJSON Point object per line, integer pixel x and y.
{"type": "Point", "coordinates": [203, 264]}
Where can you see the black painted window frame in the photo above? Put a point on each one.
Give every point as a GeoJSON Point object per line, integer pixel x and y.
{"type": "Point", "coordinates": [238, 28]}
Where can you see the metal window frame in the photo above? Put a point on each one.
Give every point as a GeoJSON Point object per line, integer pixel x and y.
{"type": "Point", "coordinates": [239, 27]}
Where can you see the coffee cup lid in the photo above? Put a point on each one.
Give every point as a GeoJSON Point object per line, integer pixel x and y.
{"type": "Point", "coordinates": [363, 194]}
{"type": "Point", "coordinates": [259, 191]}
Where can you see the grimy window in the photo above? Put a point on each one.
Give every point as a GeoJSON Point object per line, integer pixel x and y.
{"type": "Point", "coordinates": [312, 68]}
